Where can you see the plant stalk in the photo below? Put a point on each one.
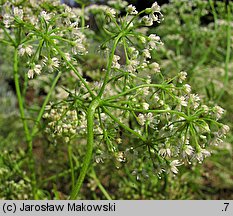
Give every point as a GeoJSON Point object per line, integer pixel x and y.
{"type": "Point", "coordinates": [90, 143]}
{"type": "Point", "coordinates": [109, 66]}
{"type": "Point", "coordinates": [25, 124]}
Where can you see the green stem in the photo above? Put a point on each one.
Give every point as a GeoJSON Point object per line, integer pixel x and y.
{"type": "Point", "coordinates": [75, 70]}
{"type": "Point", "coordinates": [9, 37]}
{"type": "Point", "coordinates": [59, 175]}
{"type": "Point", "coordinates": [25, 85]}
{"type": "Point", "coordinates": [134, 17]}
{"type": "Point", "coordinates": [194, 136]}
{"type": "Point", "coordinates": [214, 14]}
{"type": "Point", "coordinates": [101, 187]}
{"type": "Point", "coordinates": [123, 125]}
{"type": "Point", "coordinates": [70, 155]}
{"type": "Point", "coordinates": [109, 66]}
{"type": "Point", "coordinates": [45, 103]}
{"type": "Point", "coordinates": [146, 111]}
{"type": "Point", "coordinates": [133, 89]}
{"type": "Point", "coordinates": [90, 142]}
{"type": "Point", "coordinates": [25, 124]}
{"type": "Point", "coordinates": [125, 50]}
{"type": "Point", "coordinates": [83, 17]}
{"type": "Point", "coordinates": [19, 96]}
{"type": "Point", "coordinates": [34, 131]}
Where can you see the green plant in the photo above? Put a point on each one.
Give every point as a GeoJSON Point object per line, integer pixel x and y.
{"type": "Point", "coordinates": [132, 113]}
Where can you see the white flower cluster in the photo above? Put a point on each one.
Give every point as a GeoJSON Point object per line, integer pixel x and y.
{"type": "Point", "coordinates": [60, 24]}
{"type": "Point", "coordinates": [25, 50]}
{"type": "Point", "coordinates": [154, 15]}
{"type": "Point", "coordinates": [131, 10]}
{"type": "Point", "coordinates": [170, 133]}
{"type": "Point", "coordinates": [35, 69]}
{"type": "Point", "coordinates": [63, 124]}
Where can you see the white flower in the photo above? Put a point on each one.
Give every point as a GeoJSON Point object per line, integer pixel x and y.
{"type": "Point", "coordinates": [103, 116]}
{"type": "Point", "coordinates": [115, 63]}
{"type": "Point", "coordinates": [165, 152]}
{"type": "Point", "coordinates": [74, 25]}
{"type": "Point", "coordinates": [145, 91]}
{"type": "Point", "coordinates": [45, 15]}
{"type": "Point", "coordinates": [132, 66]}
{"type": "Point", "coordinates": [110, 12]}
{"type": "Point", "coordinates": [142, 39]}
{"type": "Point", "coordinates": [187, 88]}
{"type": "Point", "coordinates": [201, 154]}
{"type": "Point", "coordinates": [155, 18]}
{"type": "Point", "coordinates": [182, 101]}
{"type": "Point", "coordinates": [68, 56]}
{"type": "Point", "coordinates": [133, 52]}
{"type": "Point", "coordinates": [181, 76]}
{"type": "Point", "coordinates": [25, 50]}
{"type": "Point", "coordinates": [147, 21]}
{"type": "Point", "coordinates": [131, 10]}
{"type": "Point", "coordinates": [99, 159]}
{"type": "Point", "coordinates": [225, 129]}
{"type": "Point", "coordinates": [145, 106]}
{"type": "Point", "coordinates": [204, 126]}
{"type": "Point", "coordinates": [194, 99]}
{"type": "Point", "coordinates": [188, 149]}
{"type": "Point", "coordinates": [52, 63]}
{"type": "Point", "coordinates": [66, 139]}
{"type": "Point", "coordinates": [30, 74]}
{"type": "Point", "coordinates": [154, 37]}
{"type": "Point", "coordinates": [155, 8]}
{"type": "Point", "coordinates": [148, 81]}
{"type": "Point", "coordinates": [141, 119]}
{"type": "Point", "coordinates": [118, 140]}
{"type": "Point", "coordinates": [205, 108]}
{"type": "Point", "coordinates": [7, 20]}
{"type": "Point", "coordinates": [18, 12]}
{"type": "Point", "coordinates": [154, 40]}
{"type": "Point", "coordinates": [218, 111]}
{"type": "Point", "coordinates": [78, 47]}
{"type": "Point", "coordinates": [146, 53]}
{"type": "Point", "coordinates": [55, 62]}
{"type": "Point", "coordinates": [36, 69]}
{"type": "Point", "coordinates": [121, 157]}
{"type": "Point", "coordinates": [155, 67]}
{"type": "Point", "coordinates": [173, 166]}
{"type": "Point", "coordinates": [156, 97]}
{"type": "Point", "coordinates": [149, 117]}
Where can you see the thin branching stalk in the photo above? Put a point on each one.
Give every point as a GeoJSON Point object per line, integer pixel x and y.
{"type": "Point", "coordinates": [90, 120]}
{"type": "Point", "coordinates": [100, 186]}
{"type": "Point", "coordinates": [147, 111]}
{"type": "Point", "coordinates": [133, 89]}
{"type": "Point", "coordinates": [41, 112]}
{"type": "Point", "coordinates": [70, 156]}
{"type": "Point", "coordinates": [90, 142]}
{"type": "Point", "coordinates": [214, 14]}
{"type": "Point", "coordinates": [75, 71]}
{"type": "Point", "coordinates": [109, 66]}
{"type": "Point", "coordinates": [25, 124]}
{"type": "Point", "coordinates": [123, 125]}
